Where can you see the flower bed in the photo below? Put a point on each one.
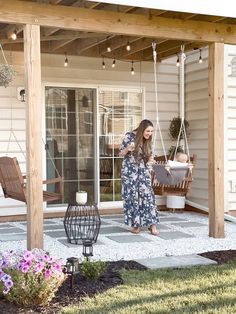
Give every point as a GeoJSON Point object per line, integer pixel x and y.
{"type": "Point", "coordinates": [30, 278]}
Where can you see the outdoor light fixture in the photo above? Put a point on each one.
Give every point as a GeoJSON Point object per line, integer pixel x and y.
{"type": "Point", "coordinates": [14, 35]}
{"type": "Point", "coordinates": [72, 268]}
{"type": "Point", "coordinates": [177, 61]}
{"type": "Point", "coordinates": [128, 48]}
{"type": "Point", "coordinates": [66, 60]}
{"type": "Point", "coordinates": [200, 57]}
{"type": "Point", "coordinates": [87, 248]}
{"type": "Point", "coordinates": [132, 68]}
{"type": "Point", "coordinates": [113, 63]}
{"type": "Point", "coordinates": [22, 95]}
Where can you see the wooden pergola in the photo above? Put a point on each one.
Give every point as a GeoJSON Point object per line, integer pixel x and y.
{"type": "Point", "coordinates": [33, 15]}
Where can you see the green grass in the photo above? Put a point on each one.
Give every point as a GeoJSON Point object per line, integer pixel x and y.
{"type": "Point", "coordinates": [205, 290]}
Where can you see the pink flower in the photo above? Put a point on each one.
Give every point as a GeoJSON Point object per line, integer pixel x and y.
{"type": "Point", "coordinates": [27, 255]}
{"type": "Point", "coordinates": [39, 267]}
{"type": "Point", "coordinates": [48, 273]}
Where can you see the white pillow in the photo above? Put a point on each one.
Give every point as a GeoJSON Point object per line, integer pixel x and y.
{"type": "Point", "coordinates": [176, 164]}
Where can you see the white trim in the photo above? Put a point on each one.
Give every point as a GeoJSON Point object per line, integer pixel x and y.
{"type": "Point", "coordinates": [209, 7]}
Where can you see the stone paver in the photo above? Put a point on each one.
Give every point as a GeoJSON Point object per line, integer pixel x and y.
{"type": "Point", "coordinates": [11, 230]}
{"type": "Point", "coordinates": [53, 227]}
{"type": "Point", "coordinates": [110, 230]}
{"type": "Point", "coordinates": [170, 219]}
{"type": "Point", "coordinates": [188, 224]}
{"type": "Point", "coordinates": [175, 261]}
{"type": "Point", "coordinates": [13, 237]}
{"type": "Point", "coordinates": [5, 226]}
{"type": "Point", "coordinates": [174, 235]}
{"type": "Point", "coordinates": [56, 234]}
{"type": "Point", "coordinates": [128, 239]}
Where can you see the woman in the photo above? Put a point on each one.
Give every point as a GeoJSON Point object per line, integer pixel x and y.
{"type": "Point", "coordinates": [137, 192]}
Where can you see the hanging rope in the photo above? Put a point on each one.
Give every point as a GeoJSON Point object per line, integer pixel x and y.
{"type": "Point", "coordinates": [182, 129]}
{"type": "Point", "coordinates": [4, 57]}
{"type": "Point", "coordinates": [156, 98]}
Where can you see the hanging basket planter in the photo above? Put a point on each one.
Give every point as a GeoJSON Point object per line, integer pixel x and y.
{"type": "Point", "coordinates": [7, 74]}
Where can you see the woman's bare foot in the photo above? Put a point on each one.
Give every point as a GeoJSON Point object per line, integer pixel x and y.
{"type": "Point", "coordinates": [153, 230]}
{"type": "Point", "coordinates": [135, 230]}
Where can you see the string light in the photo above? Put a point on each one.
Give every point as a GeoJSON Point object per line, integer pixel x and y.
{"type": "Point", "coordinates": [113, 63]}
{"type": "Point", "coordinates": [128, 48]}
{"type": "Point", "coordinates": [132, 68]}
{"type": "Point", "coordinates": [177, 61]}
{"type": "Point", "coordinates": [103, 64]}
{"type": "Point", "coordinates": [200, 57]}
{"type": "Point", "coordinates": [66, 60]}
{"type": "Point", "coordinates": [14, 35]}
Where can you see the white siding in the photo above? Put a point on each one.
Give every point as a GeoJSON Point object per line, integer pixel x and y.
{"type": "Point", "coordinates": [230, 121]}
{"type": "Point", "coordinates": [196, 108]}
{"type": "Point", "coordinates": [85, 71]}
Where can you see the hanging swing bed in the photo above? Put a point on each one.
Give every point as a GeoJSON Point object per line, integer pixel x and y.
{"type": "Point", "coordinates": [170, 177]}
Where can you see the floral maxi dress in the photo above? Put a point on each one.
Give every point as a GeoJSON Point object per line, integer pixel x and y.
{"type": "Point", "coordinates": [137, 193]}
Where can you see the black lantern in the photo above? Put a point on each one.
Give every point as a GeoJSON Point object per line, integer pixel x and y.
{"type": "Point", "coordinates": [87, 248]}
{"type": "Point", "coordinates": [82, 222]}
{"type": "Point", "coordinates": [72, 268]}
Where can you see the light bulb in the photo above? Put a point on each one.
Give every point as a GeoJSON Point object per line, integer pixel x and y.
{"type": "Point", "coordinates": [132, 68]}
{"type": "Point", "coordinates": [108, 49]}
{"type": "Point", "coordinates": [200, 57]}
{"type": "Point", "coordinates": [177, 62]}
{"type": "Point", "coordinates": [66, 61]}
{"type": "Point", "coordinates": [14, 35]}
{"type": "Point", "coordinates": [128, 48]}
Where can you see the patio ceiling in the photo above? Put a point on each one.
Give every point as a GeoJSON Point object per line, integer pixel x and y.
{"type": "Point", "coordinates": [92, 40]}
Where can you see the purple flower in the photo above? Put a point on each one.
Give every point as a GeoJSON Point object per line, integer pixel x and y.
{"type": "Point", "coordinates": [27, 255]}
{"type": "Point", "coordinates": [5, 290]}
{"type": "Point", "coordinates": [24, 268]}
{"type": "Point", "coordinates": [48, 273]}
{"type": "Point", "coordinates": [8, 283]}
{"type": "Point", "coordinates": [39, 267]}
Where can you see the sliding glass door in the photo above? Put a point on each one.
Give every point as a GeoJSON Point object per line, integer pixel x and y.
{"type": "Point", "coordinates": [83, 136]}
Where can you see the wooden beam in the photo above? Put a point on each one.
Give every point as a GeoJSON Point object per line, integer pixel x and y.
{"type": "Point", "coordinates": [84, 19]}
{"type": "Point", "coordinates": [32, 67]}
{"type": "Point", "coordinates": [216, 140]}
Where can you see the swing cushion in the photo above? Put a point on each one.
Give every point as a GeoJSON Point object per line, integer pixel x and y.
{"type": "Point", "coordinates": [170, 176]}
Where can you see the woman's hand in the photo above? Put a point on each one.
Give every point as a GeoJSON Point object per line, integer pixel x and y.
{"type": "Point", "coordinates": [130, 147]}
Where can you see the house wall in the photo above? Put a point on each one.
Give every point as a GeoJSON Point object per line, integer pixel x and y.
{"type": "Point", "coordinates": [196, 106]}
{"type": "Point", "coordinates": [84, 71]}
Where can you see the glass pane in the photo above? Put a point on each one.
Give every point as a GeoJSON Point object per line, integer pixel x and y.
{"type": "Point", "coordinates": [119, 112]}
{"type": "Point", "coordinates": [70, 137]}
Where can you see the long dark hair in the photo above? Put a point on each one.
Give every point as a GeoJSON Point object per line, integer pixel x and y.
{"type": "Point", "coordinates": [143, 147]}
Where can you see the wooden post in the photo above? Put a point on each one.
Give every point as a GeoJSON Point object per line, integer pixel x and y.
{"type": "Point", "coordinates": [32, 66]}
{"type": "Point", "coordinates": [216, 140]}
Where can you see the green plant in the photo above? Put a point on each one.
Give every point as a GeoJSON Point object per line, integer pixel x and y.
{"type": "Point", "coordinates": [93, 269]}
{"type": "Point", "coordinates": [174, 130]}
{"type": "Point", "coordinates": [30, 278]}
{"type": "Point", "coordinates": [7, 73]}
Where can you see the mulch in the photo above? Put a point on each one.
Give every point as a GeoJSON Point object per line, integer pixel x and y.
{"type": "Point", "coordinates": [66, 296]}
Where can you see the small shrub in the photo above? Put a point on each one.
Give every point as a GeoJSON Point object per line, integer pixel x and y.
{"type": "Point", "coordinates": [93, 270]}
{"type": "Point", "coordinates": [30, 278]}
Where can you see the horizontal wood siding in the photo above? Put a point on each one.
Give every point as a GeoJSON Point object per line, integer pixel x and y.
{"type": "Point", "coordinates": [86, 71]}
{"type": "Point", "coordinates": [196, 105]}
{"type": "Point", "coordinates": [230, 122]}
